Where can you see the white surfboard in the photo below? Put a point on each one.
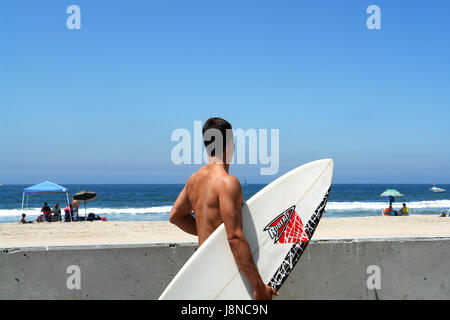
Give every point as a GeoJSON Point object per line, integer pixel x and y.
{"type": "Point", "coordinates": [278, 223]}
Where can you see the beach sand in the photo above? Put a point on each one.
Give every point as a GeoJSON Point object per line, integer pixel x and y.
{"type": "Point", "coordinates": [121, 232]}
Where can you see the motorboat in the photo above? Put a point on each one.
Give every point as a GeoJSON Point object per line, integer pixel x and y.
{"type": "Point", "coordinates": [437, 189]}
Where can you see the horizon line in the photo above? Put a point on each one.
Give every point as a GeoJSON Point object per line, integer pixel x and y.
{"type": "Point", "coordinates": [248, 183]}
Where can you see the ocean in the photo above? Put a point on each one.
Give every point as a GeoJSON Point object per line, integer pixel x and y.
{"type": "Point", "coordinates": [147, 202]}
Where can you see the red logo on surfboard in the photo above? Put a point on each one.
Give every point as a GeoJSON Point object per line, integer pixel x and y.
{"type": "Point", "coordinates": [287, 228]}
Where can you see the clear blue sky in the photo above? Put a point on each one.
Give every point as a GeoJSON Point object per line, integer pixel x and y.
{"type": "Point", "coordinates": [98, 105]}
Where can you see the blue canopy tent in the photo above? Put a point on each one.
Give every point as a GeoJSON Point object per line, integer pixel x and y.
{"type": "Point", "coordinates": [43, 188]}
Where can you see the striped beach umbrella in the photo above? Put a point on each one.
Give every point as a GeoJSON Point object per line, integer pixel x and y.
{"type": "Point", "coordinates": [391, 193]}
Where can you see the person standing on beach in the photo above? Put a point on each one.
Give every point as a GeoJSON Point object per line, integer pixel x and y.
{"type": "Point", "coordinates": [215, 197]}
{"type": "Point", "coordinates": [75, 206]}
{"type": "Point", "coordinates": [47, 211]}
{"type": "Point", "coordinates": [68, 213]}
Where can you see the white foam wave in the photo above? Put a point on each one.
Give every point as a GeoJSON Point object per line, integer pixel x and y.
{"type": "Point", "coordinates": [113, 211]}
{"type": "Point", "coordinates": [331, 206]}
{"type": "Point", "coordinates": [352, 206]}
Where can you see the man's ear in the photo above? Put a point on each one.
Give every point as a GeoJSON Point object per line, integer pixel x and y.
{"type": "Point", "coordinates": [229, 151]}
{"type": "Point", "coordinates": [229, 145]}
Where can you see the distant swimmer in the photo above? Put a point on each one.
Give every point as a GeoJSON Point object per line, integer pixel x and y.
{"type": "Point", "coordinates": [215, 197]}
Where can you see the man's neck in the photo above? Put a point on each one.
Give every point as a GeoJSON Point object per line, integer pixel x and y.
{"type": "Point", "coordinates": [219, 161]}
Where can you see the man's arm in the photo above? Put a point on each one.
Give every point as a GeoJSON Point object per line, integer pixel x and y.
{"type": "Point", "coordinates": [230, 200]}
{"type": "Point", "coordinates": [180, 215]}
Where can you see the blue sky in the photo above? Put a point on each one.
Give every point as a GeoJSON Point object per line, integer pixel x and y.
{"type": "Point", "coordinates": [98, 105]}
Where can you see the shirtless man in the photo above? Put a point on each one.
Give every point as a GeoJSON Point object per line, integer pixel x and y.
{"type": "Point", "coordinates": [215, 197]}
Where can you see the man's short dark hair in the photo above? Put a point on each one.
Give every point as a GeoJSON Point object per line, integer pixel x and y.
{"type": "Point", "coordinates": [220, 125]}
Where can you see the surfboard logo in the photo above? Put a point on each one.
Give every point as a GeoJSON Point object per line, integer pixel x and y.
{"type": "Point", "coordinates": [287, 228]}
{"type": "Point", "coordinates": [297, 249]}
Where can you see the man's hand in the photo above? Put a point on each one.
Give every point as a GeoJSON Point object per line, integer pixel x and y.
{"type": "Point", "coordinates": [264, 292]}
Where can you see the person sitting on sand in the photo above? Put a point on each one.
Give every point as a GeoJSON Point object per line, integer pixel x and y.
{"type": "Point", "coordinates": [393, 212]}
{"type": "Point", "coordinates": [404, 211]}
{"type": "Point", "coordinates": [442, 214]}
{"type": "Point", "coordinates": [56, 213]}
{"type": "Point", "coordinates": [23, 219]}
{"type": "Point", "coordinates": [47, 211]}
{"type": "Point", "coordinates": [387, 211]}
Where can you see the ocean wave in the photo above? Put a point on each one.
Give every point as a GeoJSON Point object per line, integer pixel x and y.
{"type": "Point", "coordinates": [99, 211]}
{"type": "Point", "coordinates": [354, 206]}
{"type": "Point", "coordinates": [332, 206]}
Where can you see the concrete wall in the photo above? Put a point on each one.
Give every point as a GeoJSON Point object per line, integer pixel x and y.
{"type": "Point", "coordinates": [329, 269]}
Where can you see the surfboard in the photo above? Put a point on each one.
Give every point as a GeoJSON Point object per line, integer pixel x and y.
{"type": "Point", "coordinates": [278, 223]}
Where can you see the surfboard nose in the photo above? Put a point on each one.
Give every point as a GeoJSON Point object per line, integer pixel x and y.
{"type": "Point", "coordinates": [331, 162]}
{"type": "Point", "coordinates": [325, 162]}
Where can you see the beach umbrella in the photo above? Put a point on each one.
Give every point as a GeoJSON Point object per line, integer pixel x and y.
{"type": "Point", "coordinates": [391, 193]}
{"type": "Point", "coordinates": [85, 196]}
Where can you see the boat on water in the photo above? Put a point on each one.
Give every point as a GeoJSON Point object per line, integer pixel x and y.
{"type": "Point", "coordinates": [437, 189]}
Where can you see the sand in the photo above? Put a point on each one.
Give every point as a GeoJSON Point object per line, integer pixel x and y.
{"type": "Point", "coordinates": [121, 232]}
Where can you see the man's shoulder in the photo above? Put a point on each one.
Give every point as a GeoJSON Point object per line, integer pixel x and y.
{"type": "Point", "coordinates": [231, 180]}
{"type": "Point", "coordinates": [229, 183]}
{"type": "Point", "coordinates": [230, 188]}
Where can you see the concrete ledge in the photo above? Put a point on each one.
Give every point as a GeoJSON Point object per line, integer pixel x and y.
{"type": "Point", "coordinates": [409, 268]}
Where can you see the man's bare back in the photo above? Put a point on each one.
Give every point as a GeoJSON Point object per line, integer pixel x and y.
{"type": "Point", "coordinates": [203, 190]}
{"type": "Point", "coordinates": [215, 197]}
